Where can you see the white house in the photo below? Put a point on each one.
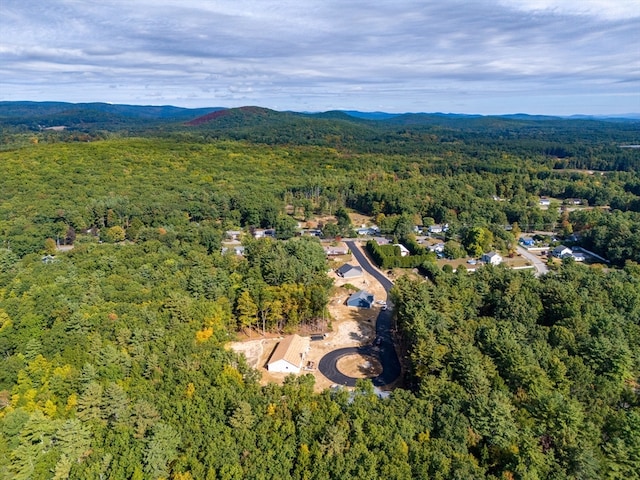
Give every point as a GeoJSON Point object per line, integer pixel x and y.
{"type": "Point", "coordinates": [438, 228]}
{"type": "Point", "coordinates": [333, 250]}
{"type": "Point", "coordinates": [288, 355]}
{"type": "Point", "coordinates": [368, 231]}
{"type": "Point", "coordinates": [544, 201]}
{"type": "Point", "coordinates": [492, 258]}
{"type": "Point", "coordinates": [404, 251]}
{"type": "Point", "coordinates": [561, 251]}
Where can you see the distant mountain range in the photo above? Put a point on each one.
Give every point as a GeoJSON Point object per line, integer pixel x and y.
{"type": "Point", "coordinates": [49, 114]}
{"type": "Point", "coordinates": [353, 131]}
{"type": "Point", "coordinates": [357, 131]}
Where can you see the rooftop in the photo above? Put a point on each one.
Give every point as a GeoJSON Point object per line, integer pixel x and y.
{"type": "Point", "coordinates": [289, 349]}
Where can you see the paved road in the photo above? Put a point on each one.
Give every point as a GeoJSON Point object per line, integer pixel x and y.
{"type": "Point", "coordinates": [538, 262]}
{"type": "Point", "coordinates": [385, 352]}
{"type": "Point", "coordinates": [366, 265]}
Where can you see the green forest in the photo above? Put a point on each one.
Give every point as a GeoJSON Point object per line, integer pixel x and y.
{"type": "Point", "coordinates": [112, 353]}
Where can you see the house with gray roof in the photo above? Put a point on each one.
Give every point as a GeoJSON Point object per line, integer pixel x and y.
{"type": "Point", "coordinates": [361, 299]}
{"type": "Point", "coordinates": [349, 271]}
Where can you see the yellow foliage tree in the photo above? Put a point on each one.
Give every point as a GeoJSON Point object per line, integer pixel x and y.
{"type": "Point", "coordinates": [5, 321]}
{"type": "Point", "coordinates": [204, 334]}
{"type": "Point", "coordinates": [191, 389]}
{"type": "Point", "coordinates": [182, 476]}
{"type": "Point", "coordinates": [50, 409]}
{"type": "Point", "coordinates": [72, 401]}
{"type": "Point", "coordinates": [50, 246]}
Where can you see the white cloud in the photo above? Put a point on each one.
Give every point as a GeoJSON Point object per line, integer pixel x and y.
{"type": "Point", "coordinates": [609, 9]}
{"type": "Point", "coordinates": [321, 53]}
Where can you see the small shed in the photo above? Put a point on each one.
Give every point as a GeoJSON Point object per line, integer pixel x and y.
{"type": "Point", "coordinates": [361, 299]}
{"type": "Point", "coordinates": [288, 355]}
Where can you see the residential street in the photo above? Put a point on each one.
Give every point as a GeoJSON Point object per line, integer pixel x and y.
{"type": "Point", "coordinates": [385, 351]}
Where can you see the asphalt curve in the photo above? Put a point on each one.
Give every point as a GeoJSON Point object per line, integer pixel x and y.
{"type": "Point", "coordinates": [385, 352]}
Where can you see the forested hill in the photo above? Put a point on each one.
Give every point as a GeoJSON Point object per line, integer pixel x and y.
{"type": "Point", "coordinates": [571, 143]}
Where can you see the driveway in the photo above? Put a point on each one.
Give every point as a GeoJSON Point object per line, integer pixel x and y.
{"type": "Point", "coordinates": [539, 264]}
{"type": "Point", "coordinates": [385, 351]}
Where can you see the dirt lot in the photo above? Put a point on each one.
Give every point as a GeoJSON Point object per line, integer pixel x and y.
{"type": "Point", "coordinates": [316, 221]}
{"type": "Point", "coordinates": [360, 366]}
{"type": "Point", "coordinates": [350, 327]}
{"type": "Point", "coordinates": [357, 219]}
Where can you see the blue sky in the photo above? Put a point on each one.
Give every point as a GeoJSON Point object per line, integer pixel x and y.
{"type": "Point", "coordinates": [556, 57]}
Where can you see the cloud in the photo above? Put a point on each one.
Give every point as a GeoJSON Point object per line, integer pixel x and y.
{"type": "Point", "coordinates": [408, 54]}
{"type": "Point", "coordinates": [619, 9]}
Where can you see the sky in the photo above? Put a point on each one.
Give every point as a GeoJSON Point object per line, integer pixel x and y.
{"type": "Point", "coordinates": [555, 57]}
